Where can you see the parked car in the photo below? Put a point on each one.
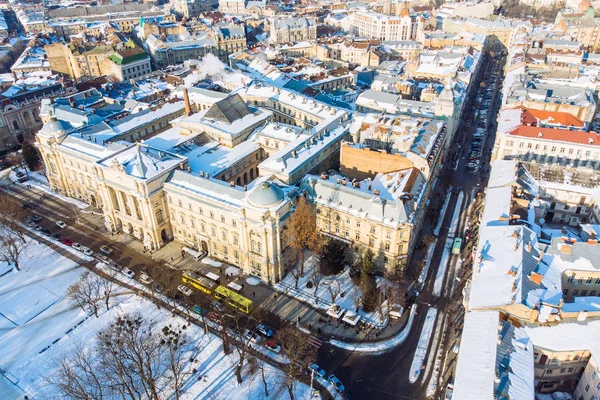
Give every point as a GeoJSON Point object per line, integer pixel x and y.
{"type": "Point", "coordinates": [30, 223]}
{"type": "Point", "coordinates": [35, 218]}
{"type": "Point", "coordinates": [214, 317]}
{"type": "Point", "coordinates": [273, 346]}
{"type": "Point", "coordinates": [217, 305]}
{"type": "Point", "coordinates": [57, 236]}
{"type": "Point", "coordinates": [105, 249]}
{"type": "Point", "coordinates": [87, 251]}
{"type": "Point", "coordinates": [336, 383]}
{"type": "Point", "coordinates": [146, 279]}
{"type": "Point", "coordinates": [76, 246]}
{"type": "Point", "coordinates": [27, 206]}
{"type": "Point", "coordinates": [46, 231]}
{"type": "Point", "coordinates": [251, 336]}
{"type": "Point", "coordinates": [128, 273]}
{"type": "Point", "coordinates": [265, 331]}
{"type": "Point", "coordinates": [158, 288]}
{"type": "Point", "coordinates": [61, 224]}
{"type": "Point", "coordinates": [67, 241]}
{"type": "Point", "coordinates": [185, 290]}
{"type": "Point", "coordinates": [318, 370]}
{"type": "Point", "coordinates": [37, 227]}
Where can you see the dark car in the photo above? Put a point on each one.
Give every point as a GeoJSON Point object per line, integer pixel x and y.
{"type": "Point", "coordinates": [46, 231]}
{"type": "Point", "coordinates": [27, 206]}
{"type": "Point", "coordinates": [57, 236]}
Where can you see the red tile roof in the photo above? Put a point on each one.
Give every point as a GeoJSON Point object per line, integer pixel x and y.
{"type": "Point", "coordinates": [532, 116]}
{"type": "Point", "coordinates": [562, 135]}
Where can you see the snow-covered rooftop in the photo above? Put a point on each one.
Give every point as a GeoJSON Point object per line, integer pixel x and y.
{"type": "Point", "coordinates": [143, 162]}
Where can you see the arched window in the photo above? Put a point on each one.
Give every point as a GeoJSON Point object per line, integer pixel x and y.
{"type": "Point", "coordinates": [15, 124]}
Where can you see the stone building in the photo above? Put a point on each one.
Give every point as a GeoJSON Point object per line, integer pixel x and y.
{"type": "Point", "coordinates": [286, 30]}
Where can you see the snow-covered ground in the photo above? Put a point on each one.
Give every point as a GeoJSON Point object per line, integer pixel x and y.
{"type": "Point", "coordinates": [382, 346]}
{"type": "Point", "coordinates": [437, 356]}
{"type": "Point", "coordinates": [418, 362]}
{"type": "Point", "coordinates": [322, 298]}
{"type": "Point", "coordinates": [38, 324]}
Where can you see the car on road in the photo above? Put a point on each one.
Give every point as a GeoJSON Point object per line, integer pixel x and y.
{"type": "Point", "coordinates": [318, 370]}
{"type": "Point", "coordinates": [27, 206]}
{"type": "Point", "coordinates": [217, 305]}
{"type": "Point", "coordinates": [35, 218]}
{"type": "Point", "coordinates": [128, 273]}
{"type": "Point", "coordinates": [105, 249]}
{"type": "Point", "coordinates": [46, 231]}
{"type": "Point", "coordinates": [57, 236]}
{"type": "Point", "coordinates": [185, 290]}
{"type": "Point", "coordinates": [214, 317]}
{"type": "Point", "coordinates": [76, 246]}
{"type": "Point", "coordinates": [145, 278]}
{"type": "Point", "coordinates": [67, 241]}
{"type": "Point", "coordinates": [30, 223]}
{"type": "Point", "coordinates": [158, 288]}
{"type": "Point", "coordinates": [273, 346]}
{"type": "Point", "coordinates": [265, 331]}
{"type": "Point", "coordinates": [61, 224]}
{"type": "Point", "coordinates": [336, 383]}
{"type": "Point", "coordinates": [87, 251]}
{"type": "Point", "coordinates": [37, 227]}
{"type": "Point", "coordinates": [251, 336]}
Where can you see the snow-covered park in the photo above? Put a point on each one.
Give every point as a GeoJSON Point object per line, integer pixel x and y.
{"type": "Point", "coordinates": [39, 325]}
{"type": "Point", "coordinates": [341, 284]}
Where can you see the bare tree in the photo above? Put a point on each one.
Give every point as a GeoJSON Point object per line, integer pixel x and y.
{"type": "Point", "coordinates": [77, 377]}
{"type": "Point", "coordinates": [317, 277]}
{"type": "Point", "coordinates": [14, 238]}
{"type": "Point", "coordinates": [128, 360]}
{"type": "Point", "coordinates": [334, 288]}
{"type": "Point", "coordinates": [300, 353]}
{"type": "Point", "coordinates": [87, 292]}
{"type": "Point", "coordinates": [261, 367]}
{"type": "Point", "coordinates": [107, 288]}
{"type": "Point", "coordinates": [296, 273]}
{"type": "Point", "coordinates": [303, 230]}
{"type": "Point", "coordinates": [175, 340]}
{"type": "Point", "coordinates": [13, 246]}
{"type": "Point", "coordinates": [240, 324]}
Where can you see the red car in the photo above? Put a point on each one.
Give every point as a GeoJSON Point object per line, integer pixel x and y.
{"type": "Point", "coordinates": [214, 317]}
{"type": "Point", "coordinates": [66, 241]}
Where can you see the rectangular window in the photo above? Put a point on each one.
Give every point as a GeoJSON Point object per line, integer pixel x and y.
{"type": "Point", "coordinates": [371, 242]}
{"type": "Point", "coordinates": [357, 236]}
{"type": "Point", "coordinates": [589, 280]}
{"type": "Point", "coordinates": [570, 278]}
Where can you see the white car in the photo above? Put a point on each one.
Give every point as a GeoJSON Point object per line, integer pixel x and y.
{"type": "Point", "coordinates": [252, 336]}
{"type": "Point", "coordinates": [185, 290]}
{"type": "Point", "coordinates": [61, 224]}
{"type": "Point", "coordinates": [128, 273]}
{"type": "Point", "coordinates": [77, 246]}
{"type": "Point", "coordinates": [145, 278]}
{"type": "Point", "coordinates": [87, 251]}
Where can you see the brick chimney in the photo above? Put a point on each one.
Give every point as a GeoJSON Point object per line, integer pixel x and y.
{"type": "Point", "coordinates": [186, 100]}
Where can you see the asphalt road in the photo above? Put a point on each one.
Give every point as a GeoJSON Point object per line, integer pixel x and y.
{"type": "Point", "coordinates": [386, 376]}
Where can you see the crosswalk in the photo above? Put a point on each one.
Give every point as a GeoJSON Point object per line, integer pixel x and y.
{"type": "Point", "coordinates": [314, 341]}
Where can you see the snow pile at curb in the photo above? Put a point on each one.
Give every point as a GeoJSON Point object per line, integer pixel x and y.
{"type": "Point", "coordinates": [380, 347]}
{"type": "Point", "coordinates": [421, 353]}
{"type": "Point", "coordinates": [438, 226]}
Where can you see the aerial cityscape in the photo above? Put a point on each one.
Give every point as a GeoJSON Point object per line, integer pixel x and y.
{"type": "Point", "coordinates": [299, 199]}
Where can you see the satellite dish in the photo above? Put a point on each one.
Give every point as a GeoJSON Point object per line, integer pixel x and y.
{"type": "Point", "coordinates": [541, 221]}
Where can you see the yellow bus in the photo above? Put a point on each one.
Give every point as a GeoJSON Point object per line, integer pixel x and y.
{"type": "Point", "coordinates": [199, 282]}
{"type": "Point", "coordinates": [234, 299]}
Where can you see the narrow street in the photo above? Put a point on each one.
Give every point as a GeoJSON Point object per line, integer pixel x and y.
{"type": "Point", "coordinates": [386, 376]}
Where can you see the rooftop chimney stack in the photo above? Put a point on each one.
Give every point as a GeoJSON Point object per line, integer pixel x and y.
{"type": "Point", "coordinates": [186, 100]}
